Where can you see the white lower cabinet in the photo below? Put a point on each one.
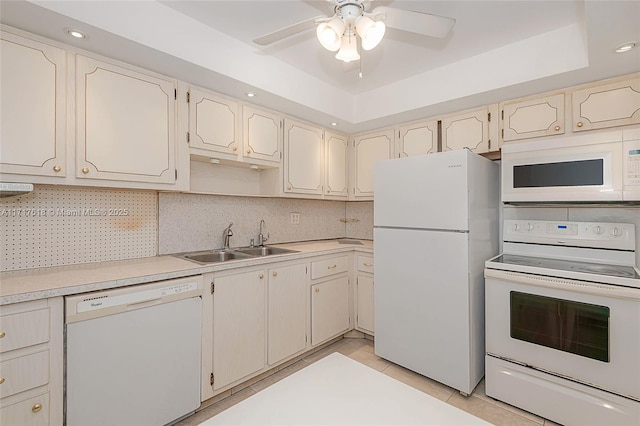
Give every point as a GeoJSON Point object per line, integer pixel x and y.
{"type": "Point", "coordinates": [287, 324]}
{"type": "Point", "coordinates": [329, 309]}
{"type": "Point", "coordinates": [239, 326]}
{"type": "Point", "coordinates": [31, 363]}
{"type": "Point", "coordinates": [364, 295]}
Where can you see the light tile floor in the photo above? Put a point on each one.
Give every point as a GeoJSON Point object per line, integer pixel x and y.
{"type": "Point", "coordinates": [361, 350]}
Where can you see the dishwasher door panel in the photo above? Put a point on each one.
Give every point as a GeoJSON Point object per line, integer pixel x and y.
{"type": "Point", "coordinates": [140, 367]}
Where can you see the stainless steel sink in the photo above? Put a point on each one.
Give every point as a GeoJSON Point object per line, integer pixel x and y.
{"type": "Point", "coordinates": [264, 251]}
{"type": "Point", "coordinates": [216, 256]}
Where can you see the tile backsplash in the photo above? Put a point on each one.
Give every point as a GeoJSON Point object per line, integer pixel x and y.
{"type": "Point", "coordinates": [62, 225]}
{"type": "Point", "coordinates": [191, 222]}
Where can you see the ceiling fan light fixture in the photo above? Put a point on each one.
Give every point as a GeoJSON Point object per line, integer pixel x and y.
{"type": "Point", "coordinates": [348, 49]}
{"type": "Point", "coordinates": [329, 33]}
{"type": "Point", "coordinates": [371, 32]}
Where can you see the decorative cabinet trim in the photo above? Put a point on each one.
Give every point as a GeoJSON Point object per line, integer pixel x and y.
{"type": "Point", "coordinates": [262, 135]}
{"type": "Point", "coordinates": [533, 118]}
{"type": "Point", "coordinates": [214, 123]}
{"type": "Point", "coordinates": [304, 158]}
{"type": "Point", "coordinates": [418, 138]}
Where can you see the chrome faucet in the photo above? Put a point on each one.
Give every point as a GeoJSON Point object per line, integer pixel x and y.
{"type": "Point", "coordinates": [226, 234]}
{"type": "Point", "coordinates": [261, 237]}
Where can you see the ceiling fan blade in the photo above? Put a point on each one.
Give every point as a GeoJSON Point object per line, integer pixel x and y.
{"type": "Point", "coordinates": [416, 22]}
{"type": "Point", "coordinates": [285, 32]}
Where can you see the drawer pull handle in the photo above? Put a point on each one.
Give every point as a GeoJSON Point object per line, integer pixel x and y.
{"type": "Point", "coordinates": [2, 334]}
{"type": "Point", "coordinates": [332, 267]}
{"type": "Point", "coordinates": [367, 264]}
{"type": "Point", "coordinates": [317, 290]}
{"type": "Point", "coordinates": [1, 380]}
{"type": "Point", "coordinates": [36, 408]}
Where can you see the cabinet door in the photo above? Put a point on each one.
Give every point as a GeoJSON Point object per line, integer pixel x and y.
{"type": "Point", "coordinates": [365, 316]}
{"type": "Point", "coordinates": [329, 309]}
{"type": "Point", "coordinates": [615, 104]}
{"type": "Point", "coordinates": [533, 118]}
{"type": "Point", "coordinates": [336, 177]}
{"type": "Point", "coordinates": [287, 312]}
{"type": "Point", "coordinates": [214, 124]}
{"type": "Point", "coordinates": [33, 110]}
{"type": "Point", "coordinates": [467, 130]}
{"type": "Point", "coordinates": [418, 139]}
{"type": "Point", "coordinates": [368, 150]}
{"type": "Point", "coordinates": [31, 412]}
{"type": "Point", "coordinates": [125, 124]}
{"type": "Point", "coordinates": [262, 134]}
{"type": "Point", "coordinates": [239, 328]}
{"type": "Point", "coordinates": [303, 148]}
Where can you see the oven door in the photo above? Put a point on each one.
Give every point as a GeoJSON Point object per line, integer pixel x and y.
{"type": "Point", "coordinates": [589, 333]}
{"type": "Point", "coordinates": [590, 173]}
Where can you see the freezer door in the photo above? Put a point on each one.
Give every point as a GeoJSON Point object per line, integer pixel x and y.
{"type": "Point", "coordinates": [428, 191]}
{"type": "Point", "coordinates": [422, 306]}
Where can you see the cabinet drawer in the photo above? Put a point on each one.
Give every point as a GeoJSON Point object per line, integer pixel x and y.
{"type": "Point", "coordinates": [32, 412]}
{"type": "Point", "coordinates": [365, 264]}
{"type": "Point", "coordinates": [24, 329]}
{"type": "Point", "coordinates": [324, 268]}
{"type": "Point", "coordinates": [24, 373]}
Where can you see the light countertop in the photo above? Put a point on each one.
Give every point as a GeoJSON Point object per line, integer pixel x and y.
{"type": "Point", "coordinates": [33, 284]}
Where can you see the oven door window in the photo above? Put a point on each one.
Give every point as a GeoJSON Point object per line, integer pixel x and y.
{"type": "Point", "coordinates": [574, 327]}
{"type": "Point", "coordinates": [566, 173]}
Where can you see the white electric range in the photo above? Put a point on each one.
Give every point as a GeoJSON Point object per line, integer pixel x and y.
{"type": "Point", "coordinates": [563, 321]}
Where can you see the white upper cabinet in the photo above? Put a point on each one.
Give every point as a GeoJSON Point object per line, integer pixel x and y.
{"type": "Point", "coordinates": [471, 129]}
{"type": "Point", "coordinates": [608, 105]}
{"type": "Point", "coordinates": [214, 123]}
{"type": "Point", "coordinates": [418, 138]}
{"type": "Point", "coordinates": [125, 123]}
{"type": "Point", "coordinates": [531, 118]}
{"type": "Point", "coordinates": [369, 149]}
{"type": "Point", "coordinates": [262, 132]}
{"type": "Point", "coordinates": [336, 176]}
{"type": "Point", "coordinates": [33, 111]}
{"type": "Point", "coordinates": [303, 158]}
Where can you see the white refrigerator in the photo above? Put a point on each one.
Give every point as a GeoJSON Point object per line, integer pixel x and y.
{"type": "Point", "coordinates": [435, 224]}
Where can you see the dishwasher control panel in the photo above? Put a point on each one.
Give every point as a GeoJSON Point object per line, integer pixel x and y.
{"type": "Point", "coordinates": [107, 302]}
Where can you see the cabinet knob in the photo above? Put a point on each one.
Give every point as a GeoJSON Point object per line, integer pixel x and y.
{"type": "Point", "coordinates": [85, 170]}
{"type": "Point", "coordinates": [2, 334]}
{"type": "Point", "coordinates": [557, 128]}
{"type": "Point", "coordinates": [579, 124]}
{"type": "Point", "coordinates": [289, 187]}
{"type": "Point", "coordinates": [275, 274]}
{"type": "Point", "coordinates": [261, 276]}
{"type": "Point", "coordinates": [36, 408]}
{"type": "Point", "coordinates": [317, 290]}
{"type": "Point", "coordinates": [1, 380]}
{"type": "Point", "coordinates": [57, 168]}
{"type": "Point", "coordinates": [328, 191]}
{"type": "Point", "coordinates": [235, 148]}
{"type": "Point", "coordinates": [248, 151]}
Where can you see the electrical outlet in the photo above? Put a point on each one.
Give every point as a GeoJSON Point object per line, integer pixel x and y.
{"type": "Point", "coordinates": [295, 218]}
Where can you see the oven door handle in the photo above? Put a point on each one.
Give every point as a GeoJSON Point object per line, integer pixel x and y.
{"type": "Point", "coordinates": [597, 289]}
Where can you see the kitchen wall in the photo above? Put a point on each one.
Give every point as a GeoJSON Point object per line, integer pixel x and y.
{"type": "Point", "coordinates": [62, 225]}
{"type": "Point", "coordinates": [580, 214]}
{"type": "Point", "coordinates": [191, 222]}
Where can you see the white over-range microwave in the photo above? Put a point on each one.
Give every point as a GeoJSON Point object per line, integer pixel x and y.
{"type": "Point", "coordinates": [588, 168]}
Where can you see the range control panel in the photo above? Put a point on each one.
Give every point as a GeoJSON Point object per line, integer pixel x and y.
{"type": "Point", "coordinates": [620, 236]}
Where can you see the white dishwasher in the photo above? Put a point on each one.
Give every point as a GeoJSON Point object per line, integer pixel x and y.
{"type": "Point", "coordinates": [133, 354]}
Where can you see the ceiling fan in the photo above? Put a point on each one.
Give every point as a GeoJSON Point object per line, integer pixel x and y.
{"type": "Point", "coordinates": [351, 19]}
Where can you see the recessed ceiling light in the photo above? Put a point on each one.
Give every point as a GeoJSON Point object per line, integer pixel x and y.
{"type": "Point", "coordinates": [251, 94]}
{"type": "Point", "coordinates": [334, 124]}
{"type": "Point", "coordinates": [625, 47]}
{"type": "Point", "coordinates": [75, 33]}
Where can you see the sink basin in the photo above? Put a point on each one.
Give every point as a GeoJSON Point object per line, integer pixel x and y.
{"type": "Point", "coordinates": [216, 256]}
{"type": "Point", "coordinates": [264, 251]}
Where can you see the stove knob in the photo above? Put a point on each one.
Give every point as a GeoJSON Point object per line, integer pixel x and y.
{"type": "Point", "coordinates": [616, 232]}
{"type": "Point", "coordinates": [529, 227]}
{"type": "Point", "coordinates": [597, 229]}
{"type": "Point", "coordinates": [516, 227]}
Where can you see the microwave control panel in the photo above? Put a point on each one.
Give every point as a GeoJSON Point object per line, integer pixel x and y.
{"type": "Point", "coordinates": [631, 162]}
